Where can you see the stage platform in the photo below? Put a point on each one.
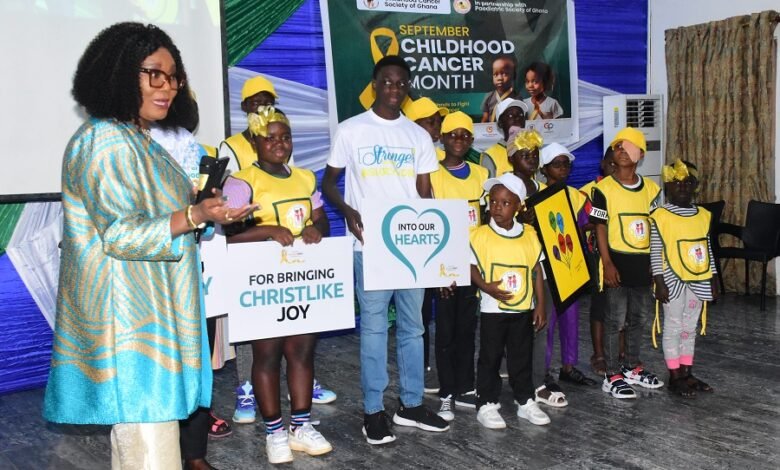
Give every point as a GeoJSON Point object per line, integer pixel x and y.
{"type": "Point", "coordinates": [737, 426]}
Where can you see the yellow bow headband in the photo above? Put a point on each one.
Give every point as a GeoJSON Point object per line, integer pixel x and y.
{"type": "Point", "coordinates": [265, 115]}
{"type": "Point", "coordinates": [525, 140]}
{"type": "Point", "coordinates": [677, 172]}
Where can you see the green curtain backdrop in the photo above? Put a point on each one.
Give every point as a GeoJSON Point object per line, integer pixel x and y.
{"type": "Point", "coordinates": [9, 215]}
{"type": "Point", "coordinates": [249, 22]}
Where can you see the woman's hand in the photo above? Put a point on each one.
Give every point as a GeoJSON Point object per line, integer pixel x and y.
{"type": "Point", "coordinates": [215, 209]}
{"type": "Point", "coordinates": [311, 234]}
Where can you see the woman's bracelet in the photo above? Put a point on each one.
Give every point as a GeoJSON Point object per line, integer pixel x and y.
{"type": "Point", "coordinates": [190, 222]}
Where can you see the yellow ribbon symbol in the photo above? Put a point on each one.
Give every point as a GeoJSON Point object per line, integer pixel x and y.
{"type": "Point", "coordinates": [367, 96]}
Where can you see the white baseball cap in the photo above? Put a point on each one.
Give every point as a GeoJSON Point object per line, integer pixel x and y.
{"type": "Point", "coordinates": [509, 103]}
{"type": "Point", "coordinates": [510, 182]}
{"type": "Point", "coordinates": [552, 150]}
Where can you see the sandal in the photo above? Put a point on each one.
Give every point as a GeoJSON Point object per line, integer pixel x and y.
{"type": "Point", "coordinates": [617, 387]}
{"type": "Point", "coordinates": [696, 384]}
{"type": "Point", "coordinates": [693, 382]}
{"type": "Point", "coordinates": [550, 398]}
{"type": "Point", "coordinates": [218, 428]}
{"type": "Point", "coordinates": [681, 387]}
{"type": "Point", "coordinates": [598, 365]}
{"type": "Point", "coordinates": [575, 376]}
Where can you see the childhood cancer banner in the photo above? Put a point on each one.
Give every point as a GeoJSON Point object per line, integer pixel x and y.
{"type": "Point", "coordinates": [275, 291]}
{"type": "Point", "coordinates": [415, 243]}
{"type": "Point", "coordinates": [455, 49]}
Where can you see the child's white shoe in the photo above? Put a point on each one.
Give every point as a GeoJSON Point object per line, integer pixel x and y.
{"type": "Point", "coordinates": [489, 417]}
{"type": "Point", "coordinates": [277, 447]}
{"type": "Point", "coordinates": [532, 413]}
{"type": "Point", "coordinates": [307, 439]}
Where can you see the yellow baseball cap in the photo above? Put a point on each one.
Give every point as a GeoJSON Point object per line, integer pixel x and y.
{"type": "Point", "coordinates": [422, 108]}
{"type": "Point", "coordinates": [457, 120]}
{"type": "Point", "coordinates": [255, 85]}
{"type": "Point", "coordinates": [632, 135]}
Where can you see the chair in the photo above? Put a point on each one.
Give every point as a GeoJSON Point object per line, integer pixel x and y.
{"type": "Point", "coordinates": [716, 209]}
{"type": "Point", "coordinates": [760, 239]}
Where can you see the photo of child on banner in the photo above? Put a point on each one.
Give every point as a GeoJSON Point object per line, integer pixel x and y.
{"type": "Point", "coordinates": [565, 263]}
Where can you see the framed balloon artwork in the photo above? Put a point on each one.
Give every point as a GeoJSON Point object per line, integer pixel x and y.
{"type": "Point", "coordinates": [565, 263]}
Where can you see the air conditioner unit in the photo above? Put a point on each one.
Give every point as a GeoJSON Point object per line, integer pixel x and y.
{"type": "Point", "coordinates": [644, 112]}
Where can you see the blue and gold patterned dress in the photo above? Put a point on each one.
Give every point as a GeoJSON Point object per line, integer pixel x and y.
{"type": "Point", "coordinates": [130, 338]}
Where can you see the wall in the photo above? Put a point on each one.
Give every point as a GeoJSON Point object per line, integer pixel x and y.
{"type": "Point", "coordinates": [667, 14]}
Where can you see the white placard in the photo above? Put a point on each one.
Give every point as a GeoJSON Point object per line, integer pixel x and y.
{"type": "Point", "coordinates": [213, 255]}
{"type": "Point", "coordinates": [415, 243]}
{"type": "Point", "coordinates": [277, 291]}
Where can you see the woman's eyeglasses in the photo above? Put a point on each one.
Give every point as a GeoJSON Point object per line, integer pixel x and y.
{"type": "Point", "coordinates": [158, 78]}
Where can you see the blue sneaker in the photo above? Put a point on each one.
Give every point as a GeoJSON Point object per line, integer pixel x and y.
{"type": "Point", "coordinates": [321, 395]}
{"type": "Point", "coordinates": [245, 404]}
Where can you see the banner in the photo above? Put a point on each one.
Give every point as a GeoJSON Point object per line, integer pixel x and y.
{"type": "Point", "coordinates": [463, 55]}
{"type": "Point", "coordinates": [415, 243]}
{"type": "Point", "coordinates": [213, 255]}
{"type": "Point", "coordinates": [275, 291]}
{"type": "Point", "coordinates": [567, 270]}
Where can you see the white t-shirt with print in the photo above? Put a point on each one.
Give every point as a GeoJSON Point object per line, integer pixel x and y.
{"type": "Point", "coordinates": [381, 158]}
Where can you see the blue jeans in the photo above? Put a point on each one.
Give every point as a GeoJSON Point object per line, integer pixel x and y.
{"type": "Point", "coordinates": [373, 342]}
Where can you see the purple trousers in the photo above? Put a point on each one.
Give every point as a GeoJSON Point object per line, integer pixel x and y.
{"type": "Point", "coordinates": [568, 333]}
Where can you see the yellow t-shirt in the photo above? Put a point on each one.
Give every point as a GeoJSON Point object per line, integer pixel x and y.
{"type": "Point", "coordinates": [511, 259]}
{"type": "Point", "coordinates": [686, 248]}
{"type": "Point", "coordinates": [627, 213]}
{"type": "Point", "coordinates": [448, 186]}
{"type": "Point", "coordinates": [284, 201]}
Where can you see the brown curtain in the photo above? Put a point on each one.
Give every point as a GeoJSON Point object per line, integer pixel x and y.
{"type": "Point", "coordinates": [721, 116]}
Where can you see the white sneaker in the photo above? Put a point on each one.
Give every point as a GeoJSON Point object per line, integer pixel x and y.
{"type": "Point", "coordinates": [445, 410]}
{"type": "Point", "coordinates": [309, 440]}
{"type": "Point", "coordinates": [532, 413]}
{"type": "Point", "coordinates": [277, 447]}
{"type": "Point", "coordinates": [488, 416]}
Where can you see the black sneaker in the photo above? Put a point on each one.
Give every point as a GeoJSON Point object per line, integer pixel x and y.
{"type": "Point", "coordinates": [376, 428]}
{"type": "Point", "coordinates": [431, 381]}
{"type": "Point", "coordinates": [420, 417]}
{"type": "Point", "coordinates": [467, 400]}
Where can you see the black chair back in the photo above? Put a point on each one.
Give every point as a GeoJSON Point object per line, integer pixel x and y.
{"type": "Point", "coordinates": [762, 227]}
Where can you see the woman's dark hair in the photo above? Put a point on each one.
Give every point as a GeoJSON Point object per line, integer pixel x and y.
{"type": "Point", "coordinates": [106, 82]}
{"type": "Point", "coordinates": [544, 73]}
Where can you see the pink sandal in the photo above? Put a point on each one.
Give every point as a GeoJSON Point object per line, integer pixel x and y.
{"type": "Point", "coordinates": [218, 428]}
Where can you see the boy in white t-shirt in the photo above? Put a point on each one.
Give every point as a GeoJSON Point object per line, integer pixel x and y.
{"type": "Point", "coordinates": [385, 155]}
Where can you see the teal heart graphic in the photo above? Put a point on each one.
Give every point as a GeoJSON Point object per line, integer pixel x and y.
{"type": "Point", "coordinates": [386, 237]}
